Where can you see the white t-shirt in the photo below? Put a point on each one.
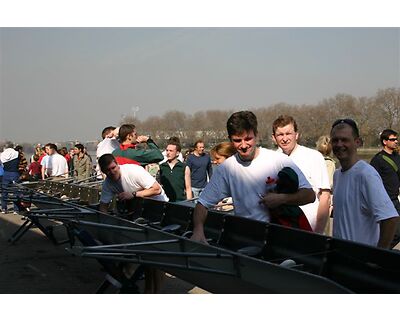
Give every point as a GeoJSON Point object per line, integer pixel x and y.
{"type": "Point", "coordinates": [360, 201]}
{"type": "Point", "coordinates": [312, 164]}
{"type": "Point", "coordinates": [56, 165]}
{"type": "Point", "coordinates": [246, 182]}
{"type": "Point", "coordinates": [133, 178]}
{"type": "Point", "coordinates": [108, 145]}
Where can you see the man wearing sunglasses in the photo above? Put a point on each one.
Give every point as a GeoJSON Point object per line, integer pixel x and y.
{"type": "Point", "coordinates": [387, 163]}
{"type": "Point", "coordinates": [362, 210]}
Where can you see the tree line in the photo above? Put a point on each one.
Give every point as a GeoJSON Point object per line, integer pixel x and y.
{"type": "Point", "coordinates": [372, 114]}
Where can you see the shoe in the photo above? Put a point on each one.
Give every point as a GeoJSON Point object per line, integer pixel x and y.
{"type": "Point", "coordinates": [16, 212]}
{"type": "Point", "coordinates": [4, 211]}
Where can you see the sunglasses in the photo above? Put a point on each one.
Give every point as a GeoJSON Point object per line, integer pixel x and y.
{"type": "Point", "coordinates": [392, 139]}
{"type": "Point", "coordinates": [350, 122]}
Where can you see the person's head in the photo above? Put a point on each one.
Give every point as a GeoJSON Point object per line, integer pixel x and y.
{"type": "Point", "coordinates": [240, 122]}
{"type": "Point", "coordinates": [324, 145]}
{"type": "Point", "coordinates": [51, 148]}
{"type": "Point", "coordinates": [174, 140]}
{"type": "Point", "coordinates": [127, 133]}
{"type": "Point", "coordinates": [172, 150]}
{"type": "Point", "coordinates": [284, 133]}
{"type": "Point", "coordinates": [106, 131]}
{"type": "Point", "coordinates": [79, 148]}
{"type": "Point", "coordinates": [38, 150]}
{"type": "Point", "coordinates": [18, 148]}
{"type": "Point", "coordinates": [345, 139]}
{"type": "Point", "coordinates": [242, 132]}
{"type": "Point", "coordinates": [63, 151]}
{"type": "Point", "coordinates": [109, 166]}
{"type": "Point", "coordinates": [222, 151]}
{"type": "Point", "coordinates": [199, 147]}
{"type": "Point", "coordinates": [36, 157]}
{"type": "Point", "coordinates": [389, 140]}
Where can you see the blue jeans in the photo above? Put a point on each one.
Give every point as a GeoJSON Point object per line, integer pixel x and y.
{"type": "Point", "coordinates": [8, 179]}
{"type": "Point", "coordinates": [196, 192]}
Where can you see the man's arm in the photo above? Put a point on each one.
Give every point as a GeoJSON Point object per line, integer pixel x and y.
{"type": "Point", "coordinates": [387, 232]}
{"type": "Point", "coordinates": [199, 218]}
{"type": "Point", "coordinates": [323, 210]}
{"type": "Point", "coordinates": [154, 190]}
{"type": "Point", "coordinates": [301, 197]}
{"type": "Point", "coordinates": [188, 184]}
{"type": "Point", "coordinates": [209, 168]}
{"type": "Point", "coordinates": [144, 157]}
{"type": "Point", "coordinates": [43, 171]}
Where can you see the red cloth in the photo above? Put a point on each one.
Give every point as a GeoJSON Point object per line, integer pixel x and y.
{"type": "Point", "coordinates": [123, 160]}
{"type": "Point", "coordinates": [127, 146]}
{"type": "Point", "coordinates": [34, 168]}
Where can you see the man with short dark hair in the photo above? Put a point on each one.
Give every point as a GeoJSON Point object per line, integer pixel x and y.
{"type": "Point", "coordinates": [362, 210]}
{"type": "Point", "coordinates": [175, 175]}
{"type": "Point", "coordinates": [107, 145]}
{"type": "Point", "coordinates": [127, 181]}
{"type": "Point", "coordinates": [248, 177]}
{"type": "Point", "coordinates": [387, 163]}
{"type": "Point", "coordinates": [200, 166]}
{"type": "Point", "coordinates": [82, 163]}
{"type": "Point", "coordinates": [127, 153]}
{"type": "Point", "coordinates": [54, 165]}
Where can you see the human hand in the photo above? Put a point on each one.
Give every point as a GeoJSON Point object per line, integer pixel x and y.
{"type": "Point", "coordinates": [125, 196]}
{"type": "Point", "coordinates": [272, 200]}
{"type": "Point", "coordinates": [141, 139]}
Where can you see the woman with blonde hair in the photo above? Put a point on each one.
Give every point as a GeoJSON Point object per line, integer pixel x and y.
{"type": "Point", "coordinates": [219, 154]}
{"type": "Point", "coordinates": [222, 151]}
{"type": "Point", "coordinates": [324, 146]}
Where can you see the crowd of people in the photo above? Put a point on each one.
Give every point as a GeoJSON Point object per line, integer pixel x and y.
{"type": "Point", "coordinates": [293, 185]}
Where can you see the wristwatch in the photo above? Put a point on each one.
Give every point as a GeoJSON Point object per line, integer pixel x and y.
{"type": "Point", "coordinates": [134, 194]}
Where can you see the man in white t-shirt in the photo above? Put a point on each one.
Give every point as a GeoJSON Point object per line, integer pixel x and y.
{"type": "Point", "coordinates": [107, 145]}
{"type": "Point", "coordinates": [126, 182]}
{"type": "Point", "coordinates": [362, 209]}
{"type": "Point", "coordinates": [312, 164]}
{"type": "Point", "coordinates": [54, 164]}
{"type": "Point", "coordinates": [248, 177]}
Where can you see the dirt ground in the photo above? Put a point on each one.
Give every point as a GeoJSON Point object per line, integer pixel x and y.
{"type": "Point", "coordinates": [35, 265]}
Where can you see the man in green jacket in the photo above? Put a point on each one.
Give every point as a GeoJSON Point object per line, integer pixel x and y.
{"type": "Point", "coordinates": [128, 151]}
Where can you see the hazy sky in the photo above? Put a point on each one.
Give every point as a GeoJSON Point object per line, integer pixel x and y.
{"type": "Point", "coordinates": [60, 84]}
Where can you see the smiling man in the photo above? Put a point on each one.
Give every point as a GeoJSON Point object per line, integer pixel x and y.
{"type": "Point", "coordinates": [362, 210]}
{"type": "Point", "coordinates": [311, 163]}
{"type": "Point", "coordinates": [248, 177]}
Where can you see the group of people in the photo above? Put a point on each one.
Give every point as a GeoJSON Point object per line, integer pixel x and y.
{"type": "Point", "coordinates": [262, 184]}
{"type": "Point", "coordinates": [361, 198]}
{"type": "Point", "coordinates": [47, 162]}
{"type": "Point", "coordinates": [134, 166]}
{"type": "Point", "coordinates": [362, 209]}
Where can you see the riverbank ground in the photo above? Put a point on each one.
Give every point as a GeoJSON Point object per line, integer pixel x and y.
{"type": "Point", "coordinates": [35, 265]}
